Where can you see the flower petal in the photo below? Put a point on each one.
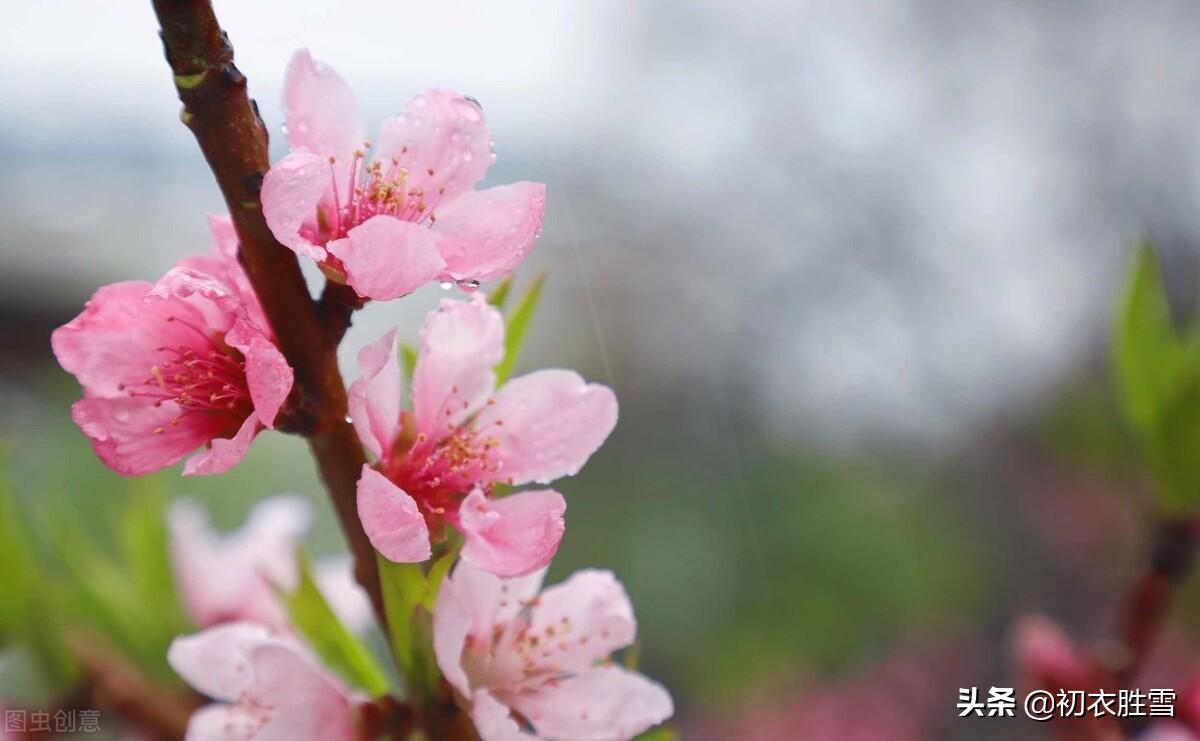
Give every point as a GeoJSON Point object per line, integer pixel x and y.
{"type": "Point", "coordinates": [132, 436]}
{"type": "Point", "coordinates": [512, 536]}
{"type": "Point", "coordinates": [386, 258]}
{"type": "Point", "coordinates": [224, 453]}
{"type": "Point", "coordinates": [494, 722]}
{"type": "Point", "coordinates": [485, 234]}
{"type": "Point", "coordinates": [442, 140]}
{"type": "Point", "coordinates": [601, 704]}
{"type": "Point", "coordinates": [222, 722]}
{"type": "Point", "coordinates": [375, 396]}
{"type": "Point", "coordinates": [319, 109]}
{"type": "Point", "coordinates": [268, 377]}
{"type": "Point", "coordinates": [471, 602]}
{"type": "Point", "coordinates": [461, 342]}
{"type": "Point", "coordinates": [591, 616]}
{"type": "Point", "coordinates": [391, 519]}
{"type": "Point", "coordinates": [116, 338]}
{"type": "Point", "coordinates": [291, 192]}
{"type": "Point", "coordinates": [216, 662]}
{"type": "Point", "coordinates": [546, 425]}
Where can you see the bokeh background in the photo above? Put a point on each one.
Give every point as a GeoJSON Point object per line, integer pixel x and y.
{"type": "Point", "coordinates": [850, 268]}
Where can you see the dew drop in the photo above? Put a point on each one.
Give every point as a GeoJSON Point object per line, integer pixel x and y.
{"type": "Point", "coordinates": [283, 128]}
{"type": "Point", "coordinates": [468, 285]}
{"type": "Point", "coordinates": [446, 285]}
{"type": "Point", "coordinates": [349, 420]}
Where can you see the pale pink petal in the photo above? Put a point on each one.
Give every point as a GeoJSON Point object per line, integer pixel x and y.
{"type": "Point", "coordinates": [116, 338]}
{"type": "Point", "coordinates": [223, 263]}
{"type": "Point", "coordinates": [223, 722]}
{"type": "Point", "coordinates": [291, 191]}
{"type": "Point", "coordinates": [210, 298]}
{"type": "Point", "coordinates": [1168, 731]}
{"type": "Point", "coordinates": [547, 424]}
{"type": "Point", "coordinates": [485, 234]}
{"type": "Point", "coordinates": [471, 602]}
{"type": "Point", "coordinates": [268, 377]}
{"type": "Point", "coordinates": [266, 545]}
{"type": "Point", "coordinates": [312, 703]}
{"type": "Point", "coordinates": [494, 722]}
{"type": "Point", "coordinates": [335, 578]}
{"type": "Point", "coordinates": [231, 578]}
{"type": "Point", "coordinates": [386, 258]}
{"type": "Point", "coordinates": [594, 612]}
{"type": "Point", "coordinates": [319, 109]}
{"type": "Point", "coordinates": [216, 662]}
{"type": "Point", "coordinates": [375, 396]}
{"type": "Point", "coordinates": [391, 519]}
{"type": "Point", "coordinates": [223, 453]}
{"type": "Point", "coordinates": [134, 437]}
{"type": "Point", "coordinates": [442, 141]}
{"type": "Point", "coordinates": [461, 343]}
{"type": "Point", "coordinates": [600, 704]}
{"type": "Point", "coordinates": [512, 536]}
{"type": "Point", "coordinates": [452, 623]}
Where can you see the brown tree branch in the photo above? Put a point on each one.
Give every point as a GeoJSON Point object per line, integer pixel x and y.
{"type": "Point", "coordinates": [233, 139]}
{"type": "Point", "coordinates": [1146, 605]}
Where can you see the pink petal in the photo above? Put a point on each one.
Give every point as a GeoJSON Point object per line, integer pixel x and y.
{"type": "Point", "coordinates": [223, 263]}
{"type": "Point", "coordinates": [493, 720]}
{"type": "Point", "coordinates": [600, 704]}
{"type": "Point", "coordinates": [442, 140]}
{"type": "Point", "coordinates": [471, 602]}
{"type": "Point", "coordinates": [461, 342]}
{"type": "Point", "coordinates": [547, 424]}
{"type": "Point", "coordinates": [512, 536]}
{"type": "Point", "coordinates": [223, 453]}
{"type": "Point", "coordinates": [216, 662]}
{"type": "Point", "coordinates": [375, 396]}
{"type": "Point", "coordinates": [291, 191]}
{"type": "Point", "coordinates": [593, 607]}
{"type": "Point", "coordinates": [386, 258]}
{"type": "Point", "coordinates": [222, 722]}
{"type": "Point", "coordinates": [234, 577]}
{"type": "Point", "coordinates": [391, 519]}
{"type": "Point", "coordinates": [133, 437]}
{"type": "Point", "coordinates": [485, 234]}
{"type": "Point", "coordinates": [286, 677]}
{"type": "Point", "coordinates": [116, 338]}
{"type": "Point", "coordinates": [269, 378]}
{"type": "Point", "coordinates": [215, 303]}
{"type": "Point", "coordinates": [319, 109]}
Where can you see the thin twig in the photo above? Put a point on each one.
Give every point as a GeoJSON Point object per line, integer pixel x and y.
{"type": "Point", "coordinates": [233, 139]}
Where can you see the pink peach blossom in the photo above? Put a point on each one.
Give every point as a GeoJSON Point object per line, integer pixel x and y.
{"type": "Point", "coordinates": [171, 366]}
{"type": "Point", "coordinates": [438, 463]}
{"type": "Point", "coordinates": [234, 577]}
{"type": "Point", "coordinates": [536, 665]}
{"type": "Point", "coordinates": [267, 686]}
{"type": "Point", "coordinates": [409, 215]}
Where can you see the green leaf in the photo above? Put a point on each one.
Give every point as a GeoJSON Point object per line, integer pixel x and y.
{"type": "Point", "coordinates": [408, 596]}
{"type": "Point", "coordinates": [517, 326]}
{"type": "Point", "coordinates": [499, 295]}
{"type": "Point", "coordinates": [340, 650]}
{"type": "Point", "coordinates": [1158, 371]}
{"type": "Point", "coordinates": [1149, 355]}
{"type": "Point", "coordinates": [408, 357]}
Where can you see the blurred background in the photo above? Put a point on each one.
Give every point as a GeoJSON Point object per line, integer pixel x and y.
{"type": "Point", "coordinates": [850, 268]}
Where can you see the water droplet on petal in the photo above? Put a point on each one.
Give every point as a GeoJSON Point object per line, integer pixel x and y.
{"type": "Point", "coordinates": [446, 285]}
{"type": "Point", "coordinates": [468, 285]}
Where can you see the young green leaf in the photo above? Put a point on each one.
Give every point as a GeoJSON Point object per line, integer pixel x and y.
{"type": "Point", "coordinates": [517, 325]}
{"type": "Point", "coordinates": [340, 649]}
{"type": "Point", "coordinates": [499, 295]}
{"type": "Point", "coordinates": [408, 596]}
{"type": "Point", "coordinates": [408, 357]}
{"type": "Point", "coordinates": [1149, 353]}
